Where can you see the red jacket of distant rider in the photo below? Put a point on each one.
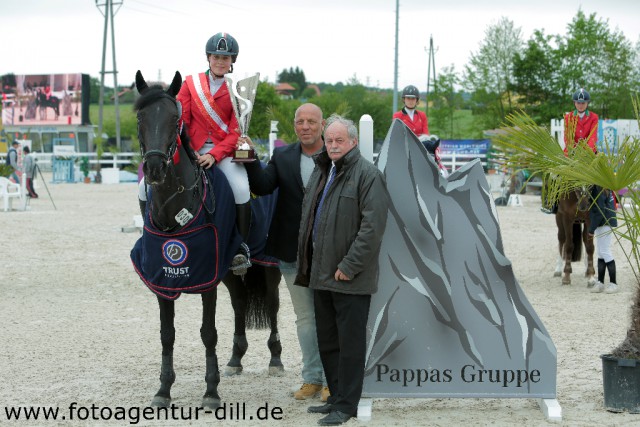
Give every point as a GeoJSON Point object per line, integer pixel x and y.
{"type": "Point", "coordinates": [584, 126]}
{"type": "Point", "coordinates": [418, 125]}
{"type": "Point", "coordinates": [209, 117]}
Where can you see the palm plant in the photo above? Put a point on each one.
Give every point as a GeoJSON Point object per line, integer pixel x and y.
{"type": "Point", "coordinates": [527, 145]}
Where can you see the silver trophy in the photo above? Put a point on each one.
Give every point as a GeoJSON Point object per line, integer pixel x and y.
{"type": "Point", "coordinates": [243, 93]}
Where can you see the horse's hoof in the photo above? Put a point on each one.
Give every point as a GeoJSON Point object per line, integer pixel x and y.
{"type": "Point", "coordinates": [161, 401]}
{"type": "Point", "coordinates": [557, 274]}
{"type": "Point", "coordinates": [210, 403]}
{"type": "Point", "coordinates": [276, 371]}
{"type": "Point", "coordinates": [232, 370]}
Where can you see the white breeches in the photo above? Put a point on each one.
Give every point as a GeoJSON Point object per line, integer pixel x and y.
{"type": "Point", "coordinates": [604, 237]}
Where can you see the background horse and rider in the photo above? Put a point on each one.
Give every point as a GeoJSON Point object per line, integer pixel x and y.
{"type": "Point", "coordinates": [189, 240]}
{"type": "Point", "coordinates": [43, 102]}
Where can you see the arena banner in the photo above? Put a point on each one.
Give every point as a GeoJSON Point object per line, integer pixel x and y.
{"type": "Point", "coordinates": [45, 99]}
{"type": "Point", "coordinates": [449, 318]}
{"type": "Point", "coordinates": [479, 147]}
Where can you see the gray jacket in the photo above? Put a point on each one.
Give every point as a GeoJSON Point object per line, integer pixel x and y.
{"type": "Point", "coordinates": [28, 165]}
{"type": "Point", "coordinates": [351, 226]}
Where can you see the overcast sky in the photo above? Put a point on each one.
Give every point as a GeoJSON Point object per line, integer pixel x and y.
{"type": "Point", "coordinates": [330, 40]}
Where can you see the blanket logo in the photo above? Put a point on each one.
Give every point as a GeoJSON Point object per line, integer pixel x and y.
{"type": "Point", "coordinates": [175, 252]}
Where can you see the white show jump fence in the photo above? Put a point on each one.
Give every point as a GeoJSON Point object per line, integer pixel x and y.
{"type": "Point", "coordinates": [610, 132]}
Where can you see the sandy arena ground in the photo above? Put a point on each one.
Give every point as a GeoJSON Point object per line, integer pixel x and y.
{"type": "Point", "coordinates": [77, 325]}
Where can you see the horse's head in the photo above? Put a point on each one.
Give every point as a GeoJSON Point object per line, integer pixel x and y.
{"type": "Point", "coordinates": [584, 199]}
{"type": "Point", "coordinates": [158, 116]}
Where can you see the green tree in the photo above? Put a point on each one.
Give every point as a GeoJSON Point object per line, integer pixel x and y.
{"type": "Point", "coordinates": [266, 97]}
{"type": "Point", "coordinates": [445, 101]}
{"type": "Point", "coordinates": [490, 72]}
{"type": "Point", "coordinates": [599, 60]}
{"type": "Point", "coordinates": [535, 72]}
{"type": "Point", "coordinates": [295, 77]}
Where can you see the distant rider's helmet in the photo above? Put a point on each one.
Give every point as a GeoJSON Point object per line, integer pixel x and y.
{"type": "Point", "coordinates": [581, 95]}
{"type": "Point", "coordinates": [411, 92]}
{"type": "Point", "coordinates": [223, 44]}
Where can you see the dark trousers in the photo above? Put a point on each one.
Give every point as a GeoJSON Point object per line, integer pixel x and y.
{"type": "Point", "coordinates": [30, 189]}
{"type": "Point", "coordinates": [341, 325]}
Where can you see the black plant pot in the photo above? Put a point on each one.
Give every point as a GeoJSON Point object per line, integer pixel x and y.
{"type": "Point", "coordinates": [621, 380]}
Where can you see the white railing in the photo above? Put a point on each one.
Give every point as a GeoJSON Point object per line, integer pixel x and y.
{"type": "Point", "coordinates": [109, 159]}
{"type": "Point", "coordinates": [454, 161]}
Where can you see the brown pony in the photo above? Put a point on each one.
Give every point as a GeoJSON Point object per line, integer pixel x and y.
{"type": "Point", "coordinates": [572, 220]}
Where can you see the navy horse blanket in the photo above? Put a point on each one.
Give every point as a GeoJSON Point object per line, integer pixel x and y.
{"type": "Point", "coordinates": [197, 257]}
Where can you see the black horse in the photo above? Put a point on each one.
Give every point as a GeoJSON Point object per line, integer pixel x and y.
{"type": "Point", "coordinates": [43, 103]}
{"type": "Point", "coordinates": [189, 240]}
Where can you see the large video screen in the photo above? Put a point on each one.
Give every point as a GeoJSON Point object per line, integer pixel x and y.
{"type": "Point", "coordinates": [45, 99]}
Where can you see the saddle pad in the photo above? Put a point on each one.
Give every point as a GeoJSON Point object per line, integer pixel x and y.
{"type": "Point", "coordinates": [185, 261]}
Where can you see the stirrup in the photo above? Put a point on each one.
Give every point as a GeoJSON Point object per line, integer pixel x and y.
{"type": "Point", "coordinates": [241, 261]}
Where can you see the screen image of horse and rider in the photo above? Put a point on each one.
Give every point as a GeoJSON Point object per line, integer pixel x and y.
{"type": "Point", "coordinates": [44, 99]}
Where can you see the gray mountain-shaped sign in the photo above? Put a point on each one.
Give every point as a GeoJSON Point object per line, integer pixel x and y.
{"type": "Point", "coordinates": [449, 318]}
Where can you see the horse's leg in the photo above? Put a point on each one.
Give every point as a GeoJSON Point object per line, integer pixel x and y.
{"type": "Point", "coordinates": [567, 249]}
{"type": "Point", "coordinates": [238, 295]}
{"type": "Point", "coordinates": [562, 240]}
{"type": "Point", "coordinates": [209, 335]}
{"type": "Point", "coordinates": [272, 282]}
{"type": "Point", "coordinates": [590, 272]}
{"type": "Point", "coordinates": [167, 338]}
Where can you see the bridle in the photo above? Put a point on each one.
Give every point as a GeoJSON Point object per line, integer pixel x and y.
{"type": "Point", "coordinates": [167, 158]}
{"type": "Point", "coordinates": [173, 145]}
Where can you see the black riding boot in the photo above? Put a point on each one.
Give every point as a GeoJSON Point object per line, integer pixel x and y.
{"type": "Point", "coordinates": [601, 270]}
{"type": "Point", "coordinates": [241, 262]}
{"type": "Point", "coordinates": [611, 266]}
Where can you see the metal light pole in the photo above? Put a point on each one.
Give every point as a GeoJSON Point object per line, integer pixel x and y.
{"type": "Point", "coordinates": [432, 62]}
{"type": "Point", "coordinates": [109, 14]}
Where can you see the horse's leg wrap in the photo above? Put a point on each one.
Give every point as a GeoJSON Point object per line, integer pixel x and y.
{"type": "Point", "coordinates": [211, 398]}
{"type": "Point", "coordinates": [240, 346]}
{"type": "Point", "coordinates": [275, 364]}
{"type": "Point", "coordinates": [167, 378]}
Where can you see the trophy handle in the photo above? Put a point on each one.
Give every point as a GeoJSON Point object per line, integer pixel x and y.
{"type": "Point", "coordinates": [245, 104]}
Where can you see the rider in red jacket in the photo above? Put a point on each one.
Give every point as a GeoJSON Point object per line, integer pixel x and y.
{"type": "Point", "coordinates": [213, 129]}
{"type": "Point", "coordinates": [585, 123]}
{"type": "Point", "coordinates": [415, 119]}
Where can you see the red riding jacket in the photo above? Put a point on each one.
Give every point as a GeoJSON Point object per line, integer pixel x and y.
{"type": "Point", "coordinates": [584, 126]}
{"type": "Point", "coordinates": [419, 125]}
{"type": "Point", "coordinates": [210, 118]}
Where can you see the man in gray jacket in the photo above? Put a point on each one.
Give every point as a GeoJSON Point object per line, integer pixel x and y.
{"type": "Point", "coordinates": [344, 214]}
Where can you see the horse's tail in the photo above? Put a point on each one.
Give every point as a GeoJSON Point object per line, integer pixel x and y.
{"type": "Point", "coordinates": [260, 302]}
{"type": "Point", "coordinates": [577, 242]}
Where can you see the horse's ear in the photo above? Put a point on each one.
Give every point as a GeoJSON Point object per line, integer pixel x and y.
{"type": "Point", "coordinates": [141, 85]}
{"type": "Point", "coordinates": [175, 85]}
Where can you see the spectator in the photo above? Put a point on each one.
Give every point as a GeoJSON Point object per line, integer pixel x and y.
{"type": "Point", "coordinates": [29, 168]}
{"type": "Point", "coordinates": [288, 171]}
{"type": "Point", "coordinates": [344, 214]}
